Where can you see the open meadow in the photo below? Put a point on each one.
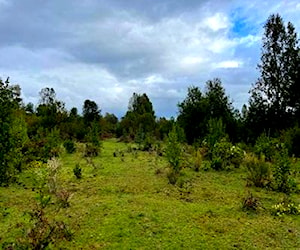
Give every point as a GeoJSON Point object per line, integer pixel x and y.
{"type": "Point", "coordinates": [124, 200]}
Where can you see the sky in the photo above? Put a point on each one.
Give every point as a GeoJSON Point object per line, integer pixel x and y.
{"type": "Point", "coordinates": [105, 50]}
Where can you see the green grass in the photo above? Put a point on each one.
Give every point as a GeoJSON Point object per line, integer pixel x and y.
{"type": "Point", "coordinates": [125, 203]}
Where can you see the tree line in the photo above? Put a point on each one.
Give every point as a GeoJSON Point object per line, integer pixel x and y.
{"type": "Point", "coordinates": [31, 132]}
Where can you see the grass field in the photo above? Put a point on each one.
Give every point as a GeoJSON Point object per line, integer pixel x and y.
{"type": "Point", "coordinates": [126, 202]}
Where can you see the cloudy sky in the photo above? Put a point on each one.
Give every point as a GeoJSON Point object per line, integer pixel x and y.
{"type": "Point", "coordinates": [104, 50]}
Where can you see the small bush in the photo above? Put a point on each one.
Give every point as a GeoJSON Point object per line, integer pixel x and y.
{"type": "Point", "coordinates": [172, 177]}
{"type": "Point", "coordinates": [174, 151]}
{"type": "Point", "coordinates": [198, 159]}
{"type": "Point", "coordinates": [291, 138]}
{"type": "Point", "coordinates": [63, 197]}
{"type": "Point", "coordinates": [91, 150]}
{"type": "Point", "coordinates": [281, 172]}
{"type": "Point", "coordinates": [251, 203]}
{"type": "Point", "coordinates": [259, 171]}
{"type": "Point", "coordinates": [217, 164]}
{"type": "Point", "coordinates": [267, 147]}
{"type": "Point", "coordinates": [77, 171]}
{"type": "Point", "coordinates": [69, 146]}
{"type": "Point", "coordinates": [224, 154]}
{"type": "Point", "coordinates": [43, 232]}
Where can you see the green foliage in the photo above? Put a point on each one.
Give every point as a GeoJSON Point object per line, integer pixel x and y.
{"type": "Point", "coordinates": [70, 146]}
{"type": "Point", "coordinates": [282, 171]}
{"type": "Point", "coordinates": [93, 145]}
{"type": "Point", "coordinates": [77, 171]}
{"type": "Point", "coordinates": [91, 150]}
{"type": "Point", "coordinates": [118, 209]}
{"type": "Point", "coordinates": [139, 120]}
{"type": "Point", "coordinates": [42, 232]}
{"type": "Point", "coordinates": [267, 146]}
{"type": "Point", "coordinates": [91, 112]}
{"type": "Point", "coordinates": [174, 151]}
{"type": "Point", "coordinates": [216, 131]}
{"type": "Point", "coordinates": [12, 137]}
{"type": "Point", "coordinates": [258, 171]}
{"type": "Point", "coordinates": [224, 155]}
{"type": "Point", "coordinates": [198, 108]}
{"type": "Point", "coordinates": [291, 139]}
{"type": "Point", "coordinates": [50, 111]}
{"type": "Point", "coordinates": [52, 144]}
{"type": "Point", "coordinates": [274, 103]}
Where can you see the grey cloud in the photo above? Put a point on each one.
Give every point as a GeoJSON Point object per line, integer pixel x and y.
{"type": "Point", "coordinates": [105, 50]}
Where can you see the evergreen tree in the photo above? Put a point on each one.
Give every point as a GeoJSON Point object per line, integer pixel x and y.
{"type": "Point", "coordinates": [9, 104]}
{"type": "Point", "coordinates": [197, 109]}
{"type": "Point", "coordinates": [139, 119]}
{"type": "Point", "coordinates": [274, 100]}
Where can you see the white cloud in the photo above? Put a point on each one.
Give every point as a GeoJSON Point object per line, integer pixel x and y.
{"type": "Point", "coordinates": [105, 50]}
{"type": "Point", "coordinates": [228, 64]}
{"type": "Point", "coordinates": [217, 22]}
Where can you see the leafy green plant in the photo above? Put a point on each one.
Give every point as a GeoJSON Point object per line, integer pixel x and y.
{"type": "Point", "coordinates": [267, 147]}
{"type": "Point", "coordinates": [69, 146]}
{"type": "Point", "coordinates": [291, 138]}
{"type": "Point", "coordinates": [216, 131]}
{"type": "Point", "coordinates": [258, 171]}
{"type": "Point", "coordinates": [224, 154]}
{"type": "Point", "coordinates": [281, 172]}
{"type": "Point", "coordinates": [43, 232]}
{"type": "Point", "coordinates": [77, 171]}
{"type": "Point", "coordinates": [91, 150]}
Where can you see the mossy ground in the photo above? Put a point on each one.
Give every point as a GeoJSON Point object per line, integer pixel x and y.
{"type": "Point", "coordinates": [126, 202]}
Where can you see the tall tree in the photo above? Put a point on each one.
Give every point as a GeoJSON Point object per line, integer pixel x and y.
{"type": "Point", "coordinates": [278, 87]}
{"type": "Point", "coordinates": [198, 108]}
{"type": "Point", "coordinates": [91, 112]}
{"type": "Point", "coordinates": [50, 110]}
{"type": "Point", "coordinates": [140, 117]}
{"type": "Point", "coordinates": [9, 104]}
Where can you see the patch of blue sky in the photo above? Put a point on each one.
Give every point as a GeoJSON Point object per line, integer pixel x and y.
{"type": "Point", "coordinates": [242, 26]}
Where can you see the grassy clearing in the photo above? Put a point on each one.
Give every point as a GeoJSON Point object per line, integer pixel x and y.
{"type": "Point", "coordinates": [126, 202]}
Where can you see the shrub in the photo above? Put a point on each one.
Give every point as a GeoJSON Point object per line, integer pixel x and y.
{"type": "Point", "coordinates": [69, 146]}
{"type": "Point", "coordinates": [251, 203]}
{"type": "Point", "coordinates": [91, 150]}
{"type": "Point", "coordinates": [63, 197]}
{"type": "Point", "coordinates": [281, 172]}
{"type": "Point", "coordinates": [198, 159]}
{"type": "Point", "coordinates": [259, 171]}
{"type": "Point", "coordinates": [291, 138]}
{"type": "Point", "coordinates": [174, 151]}
{"type": "Point", "coordinates": [43, 232]}
{"type": "Point", "coordinates": [77, 171]}
{"type": "Point", "coordinates": [172, 176]}
{"type": "Point", "coordinates": [217, 164]}
{"type": "Point", "coordinates": [267, 146]}
{"type": "Point", "coordinates": [224, 154]}
{"type": "Point", "coordinates": [216, 131]}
